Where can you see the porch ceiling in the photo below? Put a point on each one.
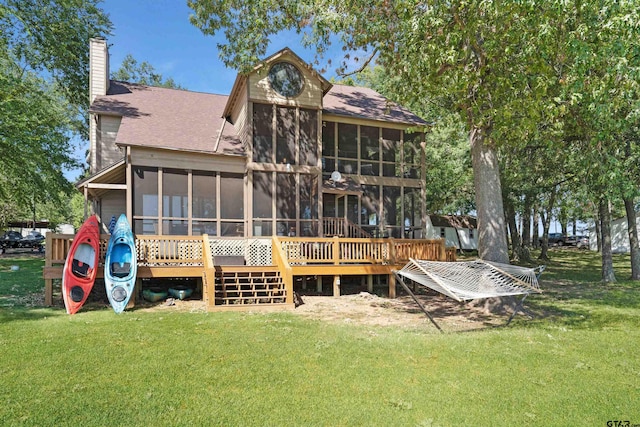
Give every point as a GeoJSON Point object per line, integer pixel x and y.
{"type": "Point", "coordinates": [108, 179]}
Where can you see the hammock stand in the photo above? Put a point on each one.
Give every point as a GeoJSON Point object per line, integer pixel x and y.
{"type": "Point", "coordinates": [464, 281]}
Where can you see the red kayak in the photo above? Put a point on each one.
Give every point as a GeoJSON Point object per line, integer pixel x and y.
{"type": "Point", "coordinates": [81, 265]}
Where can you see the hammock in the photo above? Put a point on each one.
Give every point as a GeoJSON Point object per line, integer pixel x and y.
{"type": "Point", "coordinates": [465, 281]}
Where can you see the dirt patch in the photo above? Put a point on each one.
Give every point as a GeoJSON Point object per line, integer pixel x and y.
{"type": "Point", "coordinates": [371, 310]}
{"type": "Point", "coordinates": [360, 308]}
{"type": "Point", "coordinates": [368, 309]}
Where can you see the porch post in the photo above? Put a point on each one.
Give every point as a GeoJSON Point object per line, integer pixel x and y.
{"type": "Point", "coordinates": [392, 285]}
{"type": "Point", "coordinates": [336, 286]}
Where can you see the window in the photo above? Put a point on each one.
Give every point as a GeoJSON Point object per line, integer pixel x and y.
{"type": "Point", "coordinates": [286, 136]}
{"type": "Point", "coordinates": [391, 153]}
{"type": "Point", "coordinates": [348, 141]}
{"type": "Point", "coordinates": [308, 137]}
{"type": "Point", "coordinates": [328, 139]}
{"type": "Point", "coordinates": [392, 205]}
{"type": "Point", "coordinates": [231, 204]}
{"type": "Point", "coordinates": [412, 155]}
{"type": "Point", "coordinates": [203, 205]}
{"type": "Point", "coordinates": [442, 232]}
{"type": "Point", "coordinates": [369, 150]}
{"type": "Point", "coordinates": [145, 200]}
{"type": "Point", "coordinates": [262, 133]}
{"type": "Point", "coordinates": [231, 186]}
{"type": "Point", "coordinates": [175, 202]}
{"type": "Point", "coordinates": [181, 213]}
{"type": "Point", "coordinates": [471, 233]}
{"type": "Point", "coordinates": [285, 79]}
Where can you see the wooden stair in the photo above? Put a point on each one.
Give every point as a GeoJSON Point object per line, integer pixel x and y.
{"type": "Point", "coordinates": [246, 288]}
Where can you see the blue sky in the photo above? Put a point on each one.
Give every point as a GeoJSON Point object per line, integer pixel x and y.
{"type": "Point", "coordinates": [159, 32]}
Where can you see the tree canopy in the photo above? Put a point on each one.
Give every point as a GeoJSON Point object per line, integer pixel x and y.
{"type": "Point", "coordinates": [557, 75]}
{"type": "Point", "coordinates": [44, 100]}
{"type": "Point", "coordinates": [143, 73]}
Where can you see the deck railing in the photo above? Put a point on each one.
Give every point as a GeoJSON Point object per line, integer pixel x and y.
{"type": "Point", "coordinates": [334, 250]}
{"type": "Point", "coordinates": [342, 227]}
{"type": "Point", "coordinates": [180, 252]}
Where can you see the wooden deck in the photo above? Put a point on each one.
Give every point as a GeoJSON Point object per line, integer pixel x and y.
{"type": "Point", "coordinates": [266, 281]}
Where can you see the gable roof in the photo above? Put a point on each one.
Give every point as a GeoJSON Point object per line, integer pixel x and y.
{"type": "Point", "coordinates": [241, 79]}
{"type": "Point", "coordinates": [169, 118]}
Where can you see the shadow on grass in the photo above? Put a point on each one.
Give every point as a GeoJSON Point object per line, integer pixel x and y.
{"type": "Point", "coordinates": [13, 314]}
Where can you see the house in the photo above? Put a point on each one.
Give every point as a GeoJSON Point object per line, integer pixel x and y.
{"type": "Point", "coordinates": [288, 177]}
{"type": "Point", "coordinates": [619, 235]}
{"type": "Point", "coordinates": [457, 230]}
{"type": "Point", "coordinates": [286, 153]}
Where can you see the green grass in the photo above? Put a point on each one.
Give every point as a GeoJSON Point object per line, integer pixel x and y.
{"type": "Point", "coordinates": [576, 363]}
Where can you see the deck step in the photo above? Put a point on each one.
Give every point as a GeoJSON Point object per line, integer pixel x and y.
{"type": "Point", "coordinates": [241, 286]}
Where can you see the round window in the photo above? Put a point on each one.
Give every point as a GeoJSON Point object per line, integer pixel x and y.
{"type": "Point", "coordinates": [286, 79]}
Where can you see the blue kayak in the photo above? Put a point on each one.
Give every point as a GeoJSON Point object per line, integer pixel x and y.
{"type": "Point", "coordinates": [120, 266]}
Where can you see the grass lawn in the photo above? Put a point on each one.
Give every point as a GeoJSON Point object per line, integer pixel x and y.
{"type": "Point", "coordinates": [576, 363]}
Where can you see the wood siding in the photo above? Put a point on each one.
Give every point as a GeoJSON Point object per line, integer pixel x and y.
{"type": "Point", "coordinates": [106, 133]}
{"type": "Point", "coordinates": [260, 89]}
{"type": "Point", "coordinates": [112, 203]}
{"type": "Point", "coordinates": [239, 117]}
{"type": "Point", "coordinates": [186, 160]}
{"type": "Point", "coordinates": [98, 68]}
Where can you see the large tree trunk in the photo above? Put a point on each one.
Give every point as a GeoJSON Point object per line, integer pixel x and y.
{"type": "Point", "coordinates": [492, 239]}
{"type": "Point", "coordinates": [633, 238]}
{"type": "Point", "coordinates": [608, 275]}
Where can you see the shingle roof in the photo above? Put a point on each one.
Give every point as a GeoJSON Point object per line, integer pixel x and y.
{"type": "Point", "coordinates": [169, 118]}
{"type": "Point", "coordinates": [193, 121]}
{"type": "Point", "coordinates": [366, 103]}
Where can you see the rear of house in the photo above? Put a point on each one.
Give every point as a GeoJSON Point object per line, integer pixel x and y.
{"type": "Point", "coordinates": [286, 153]}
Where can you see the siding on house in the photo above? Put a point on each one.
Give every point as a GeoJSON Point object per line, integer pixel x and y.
{"type": "Point", "coordinates": [99, 60]}
{"type": "Point", "coordinates": [260, 90]}
{"type": "Point", "coordinates": [112, 203]}
{"type": "Point", "coordinates": [186, 160]}
{"type": "Point", "coordinates": [107, 131]}
{"type": "Point", "coordinates": [619, 235]}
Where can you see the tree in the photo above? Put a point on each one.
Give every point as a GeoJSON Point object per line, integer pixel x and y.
{"type": "Point", "coordinates": [44, 99]}
{"type": "Point", "coordinates": [143, 73]}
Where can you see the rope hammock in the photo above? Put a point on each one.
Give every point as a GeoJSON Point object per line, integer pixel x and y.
{"type": "Point", "coordinates": [470, 280]}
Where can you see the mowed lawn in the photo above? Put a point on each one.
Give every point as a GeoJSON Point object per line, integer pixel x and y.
{"type": "Point", "coordinates": [576, 363]}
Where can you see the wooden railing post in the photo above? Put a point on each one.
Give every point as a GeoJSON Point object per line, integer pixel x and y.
{"type": "Point", "coordinates": [209, 272]}
{"type": "Point", "coordinates": [392, 250]}
{"type": "Point", "coordinates": [286, 271]}
{"type": "Point", "coordinates": [335, 250]}
{"type": "Point", "coordinates": [48, 283]}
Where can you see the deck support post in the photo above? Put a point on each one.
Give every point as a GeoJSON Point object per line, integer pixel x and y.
{"type": "Point", "coordinates": [304, 283]}
{"type": "Point", "coordinates": [392, 285]}
{"type": "Point", "coordinates": [137, 287]}
{"type": "Point", "coordinates": [370, 283]}
{"type": "Point", "coordinates": [336, 286]}
{"type": "Point", "coordinates": [48, 283]}
{"type": "Point", "coordinates": [319, 284]}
